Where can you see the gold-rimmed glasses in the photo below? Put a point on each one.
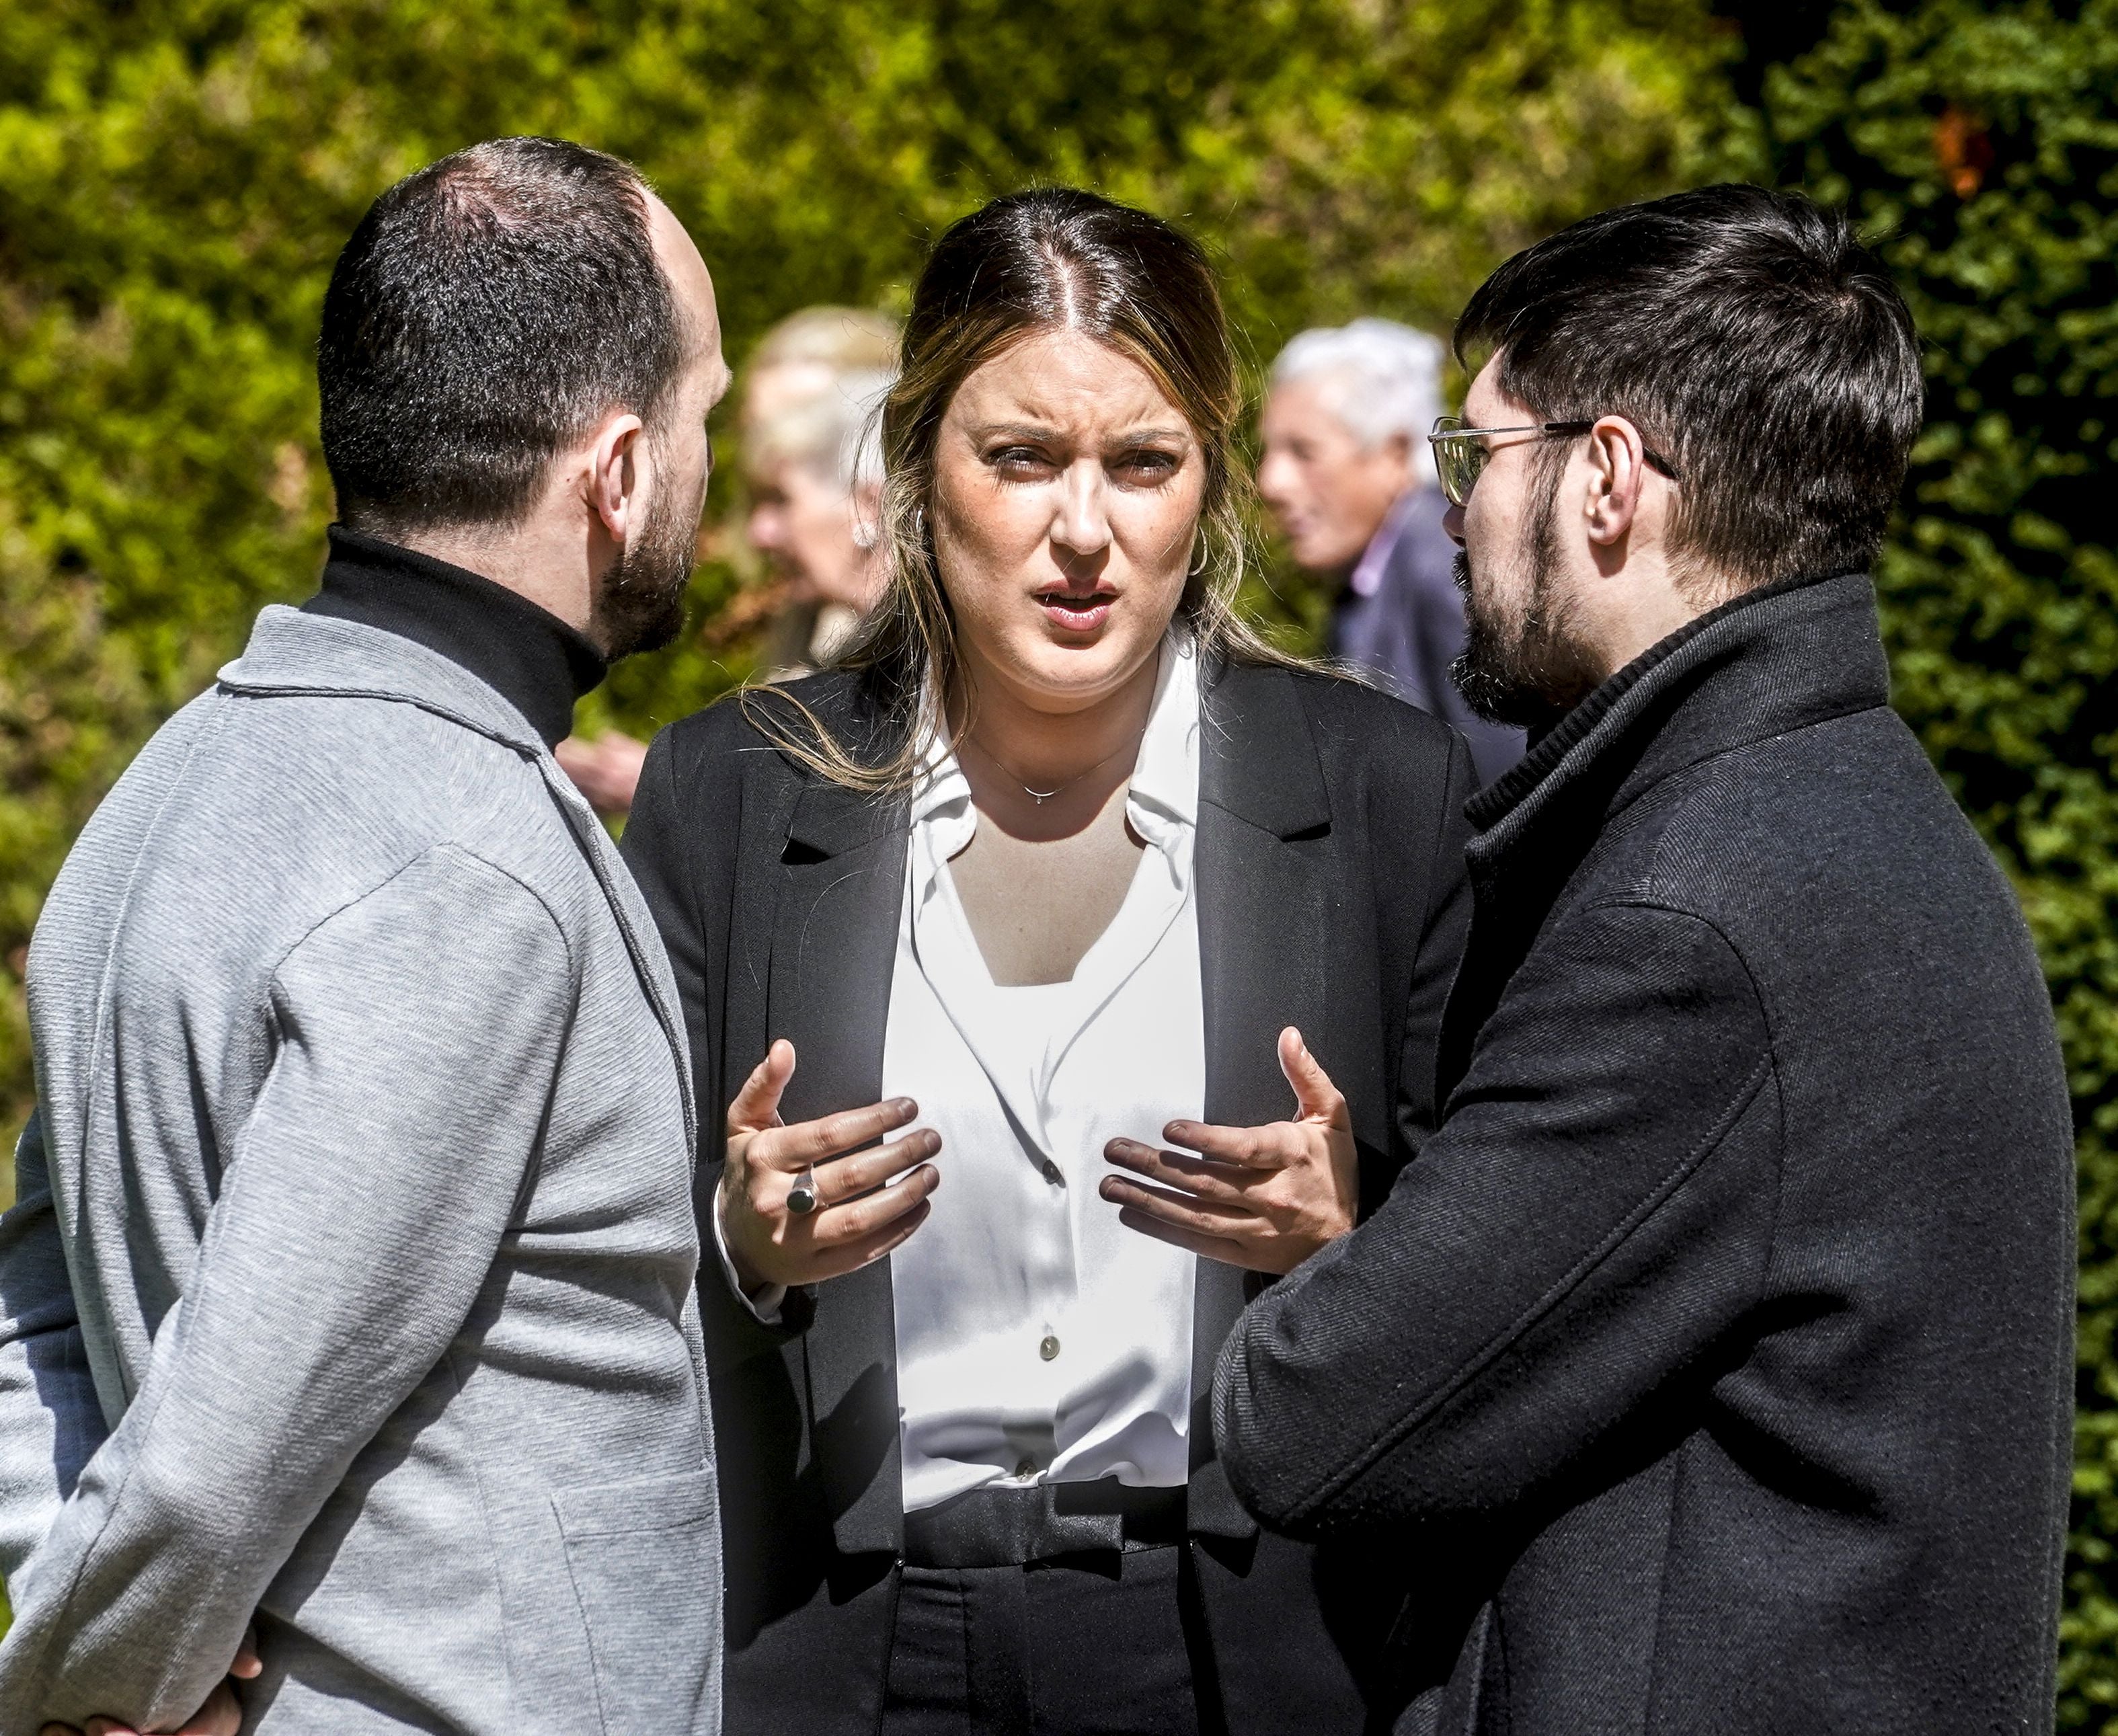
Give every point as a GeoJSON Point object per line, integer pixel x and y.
{"type": "Point", "coordinates": [1460, 454]}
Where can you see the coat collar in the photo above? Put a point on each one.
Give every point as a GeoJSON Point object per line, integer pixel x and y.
{"type": "Point", "coordinates": [1772, 660]}
{"type": "Point", "coordinates": [292, 652]}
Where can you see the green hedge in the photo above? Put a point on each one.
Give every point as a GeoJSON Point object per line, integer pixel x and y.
{"type": "Point", "coordinates": [176, 177]}
{"type": "Point", "coordinates": [1982, 144]}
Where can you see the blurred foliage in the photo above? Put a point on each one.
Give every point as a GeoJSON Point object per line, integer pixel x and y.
{"type": "Point", "coordinates": [1982, 146]}
{"type": "Point", "coordinates": [177, 176]}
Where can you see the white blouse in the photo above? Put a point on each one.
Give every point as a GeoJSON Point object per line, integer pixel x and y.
{"type": "Point", "coordinates": [1038, 1338]}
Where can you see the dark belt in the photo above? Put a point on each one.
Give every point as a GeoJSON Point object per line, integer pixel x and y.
{"type": "Point", "coordinates": [1011, 1527]}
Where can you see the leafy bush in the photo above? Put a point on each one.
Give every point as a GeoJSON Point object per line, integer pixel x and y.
{"type": "Point", "coordinates": [176, 177]}
{"type": "Point", "coordinates": [1982, 144]}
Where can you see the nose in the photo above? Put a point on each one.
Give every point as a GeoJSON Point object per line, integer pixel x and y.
{"type": "Point", "coordinates": [1082, 525]}
{"type": "Point", "coordinates": [1452, 522]}
{"type": "Point", "coordinates": [1273, 479]}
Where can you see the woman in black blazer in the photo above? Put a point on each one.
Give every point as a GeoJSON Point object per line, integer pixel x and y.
{"type": "Point", "coordinates": [1062, 509]}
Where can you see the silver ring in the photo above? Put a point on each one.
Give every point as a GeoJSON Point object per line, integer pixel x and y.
{"type": "Point", "coordinates": [802, 1197]}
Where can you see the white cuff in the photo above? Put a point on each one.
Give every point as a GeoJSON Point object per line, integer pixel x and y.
{"type": "Point", "coordinates": [766, 1302]}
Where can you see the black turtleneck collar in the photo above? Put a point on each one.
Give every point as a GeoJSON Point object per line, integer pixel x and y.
{"type": "Point", "coordinates": [526, 654]}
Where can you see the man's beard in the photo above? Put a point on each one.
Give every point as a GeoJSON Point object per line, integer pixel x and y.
{"type": "Point", "coordinates": [1524, 669]}
{"type": "Point", "coordinates": [640, 604]}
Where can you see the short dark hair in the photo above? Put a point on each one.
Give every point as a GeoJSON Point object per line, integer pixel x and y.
{"type": "Point", "coordinates": [488, 310]}
{"type": "Point", "coordinates": [1757, 345]}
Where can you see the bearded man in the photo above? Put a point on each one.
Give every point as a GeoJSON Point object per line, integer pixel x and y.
{"type": "Point", "coordinates": [1714, 1359]}
{"type": "Point", "coordinates": [355, 1241]}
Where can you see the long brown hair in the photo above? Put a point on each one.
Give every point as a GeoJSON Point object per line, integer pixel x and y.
{"type": "Point", "coordinates": [1053, 258]}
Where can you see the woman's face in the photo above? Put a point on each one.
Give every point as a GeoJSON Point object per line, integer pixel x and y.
{"type": "Point", "coordinates": [814, 534]}
{"type": "Point", "coordinates": [1067, 490]}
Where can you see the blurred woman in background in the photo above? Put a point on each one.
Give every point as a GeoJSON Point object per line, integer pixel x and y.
{"type": "Point", "coordinates": [1065, 863]}
{"type": "Point", "coordinates": [810, 432]}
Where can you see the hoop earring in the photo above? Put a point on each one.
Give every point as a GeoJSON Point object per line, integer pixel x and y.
{"type": "Point", "coordinates": [1199, 565]}
{"type": "Point", "coordinates": [919, 521]}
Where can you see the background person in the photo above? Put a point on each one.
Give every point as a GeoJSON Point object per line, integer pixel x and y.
{"type": "Point", "coordinates": [815, 470]}
{"type": "Point", "coordinates": [1346, 472]}
{"type": "Point", "coordinates": [1726, 1323]}
{"type": "Point", "coordinates": [810, 427]}
{"type": "Point", "coordinates": [1050, 865]}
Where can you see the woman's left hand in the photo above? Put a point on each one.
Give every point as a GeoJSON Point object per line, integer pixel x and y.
{"type": "Point", "coordinates": [1264, 1198]}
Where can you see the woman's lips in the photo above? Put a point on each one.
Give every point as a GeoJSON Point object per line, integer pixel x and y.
{"type": "Point", "coordinates": [1077, 614]}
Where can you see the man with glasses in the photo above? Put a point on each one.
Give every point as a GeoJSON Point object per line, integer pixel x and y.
{"type": "Point", "coordinates": [1714, 1360]}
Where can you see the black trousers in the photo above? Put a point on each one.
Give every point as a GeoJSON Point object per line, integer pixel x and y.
{"type": "Point", "coordinates": [1098, 1644]}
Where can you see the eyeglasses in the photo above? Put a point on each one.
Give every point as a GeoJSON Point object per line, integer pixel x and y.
{"type": "Point", "coordinates": [1460, 458]}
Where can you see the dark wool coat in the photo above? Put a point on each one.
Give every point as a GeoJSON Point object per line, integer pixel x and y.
{"type": "Point", "coordinates": [1716, 1350]}
{"type": "Point", "coordinates": [1329, 877]}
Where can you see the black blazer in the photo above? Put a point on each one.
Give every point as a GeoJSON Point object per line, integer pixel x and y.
{"type": "Point", "coordinates": [1331, 896]}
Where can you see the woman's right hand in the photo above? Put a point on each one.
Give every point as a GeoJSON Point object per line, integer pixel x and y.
{"type": "Point", "coordinates": [860, 1213]}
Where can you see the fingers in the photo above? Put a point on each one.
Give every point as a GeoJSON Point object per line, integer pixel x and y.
{"type": "Point", "coordinates": [791, 1150]}
{"type": "Point", "coordinates": [1319, 1099]}
{"type": "Point", "coordinates": [1206, 1247]}
{"type": "Point", "coordinates": [848, 1178]}
{"type": "Point", "coordinates": [221, 1715]}
{"type": "Point", "coordinates": [1204, 1177]}
{"type": "Point", "coordinates": [246, 1664]}
{"type": "Point", "coordinates": [851, 1256]}
{"type": "Point", "coordinates": [756, 1105]}
{"type": "Point", "coordinates": [874, 1212]}
{"type": "Point", "coordinates": [1178, 1211]}
{"type": "Point", "coordinates": [1271, 1146]}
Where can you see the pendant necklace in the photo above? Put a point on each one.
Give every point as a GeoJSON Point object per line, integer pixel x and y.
{"type": "Point", "coordinates": [1040, 796]}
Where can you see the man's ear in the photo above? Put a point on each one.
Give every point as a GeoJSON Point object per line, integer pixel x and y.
{"type": "Point", "coordinates": [614, 477]}
{"type": "Point", "coordinates": [1617, 466]}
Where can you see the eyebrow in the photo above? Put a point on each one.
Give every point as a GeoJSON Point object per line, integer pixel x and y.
{"type": "Point", "coordinates": [1036, 431]}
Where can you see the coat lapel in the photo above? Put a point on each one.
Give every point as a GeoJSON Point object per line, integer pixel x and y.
{"type": "Point", "coordinates": [833, 946]}
{"type": "Point", "coordinates": [1263, 943]}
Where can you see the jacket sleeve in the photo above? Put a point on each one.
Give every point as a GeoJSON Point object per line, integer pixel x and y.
{"type": "Point", "coordinates": [1593, 1213]}
{"type": "Point", "coordinates": [684, 868]}
{"type": "Point", "coordinates": [50, 1419]}
{"type": "Point", "coordinates": [1441, 939]}
{"type": "Point", "coordinates": [418, 1032]}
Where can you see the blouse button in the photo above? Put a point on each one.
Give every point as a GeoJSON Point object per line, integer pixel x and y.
{"type": "Point", "coordinates": [1052, 1173]}
{"type": "Point", "coordinates": [1049, 1348]}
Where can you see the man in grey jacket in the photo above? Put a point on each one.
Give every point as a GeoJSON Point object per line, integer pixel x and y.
{"type": "Point", "coordinates": [350, 1290]}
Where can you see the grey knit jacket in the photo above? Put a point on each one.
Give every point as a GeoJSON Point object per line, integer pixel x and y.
{"type": "Point", "coordinates": [360, 1222]}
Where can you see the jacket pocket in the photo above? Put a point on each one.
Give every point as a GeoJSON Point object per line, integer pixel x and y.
{"type": "Point", "coordinates": [647, 1565]}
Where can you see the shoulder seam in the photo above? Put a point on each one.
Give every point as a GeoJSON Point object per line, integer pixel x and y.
{"type": "Point", "coordinates": [448, 845]}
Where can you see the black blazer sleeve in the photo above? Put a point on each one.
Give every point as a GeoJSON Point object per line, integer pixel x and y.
{"type": "Point", "coordinates": [1442, 938]}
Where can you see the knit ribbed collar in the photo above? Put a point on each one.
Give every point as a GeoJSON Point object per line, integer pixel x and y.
{"type": "Point", "coordinates": [1777, 658]}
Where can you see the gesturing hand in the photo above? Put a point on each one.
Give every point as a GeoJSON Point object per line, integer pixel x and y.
{"type": "Point", "coordinates": [1265, 1197]}
{"type": "Point", "coordinates": [221, 1715]}
{"type": "Point", "coordinates": [860, 1214]}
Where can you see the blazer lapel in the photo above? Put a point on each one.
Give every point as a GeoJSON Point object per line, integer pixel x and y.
{"type": "Point", "coordinates": [833, 946]}
{"type": "Point", "coordinates": [1263, 944]}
